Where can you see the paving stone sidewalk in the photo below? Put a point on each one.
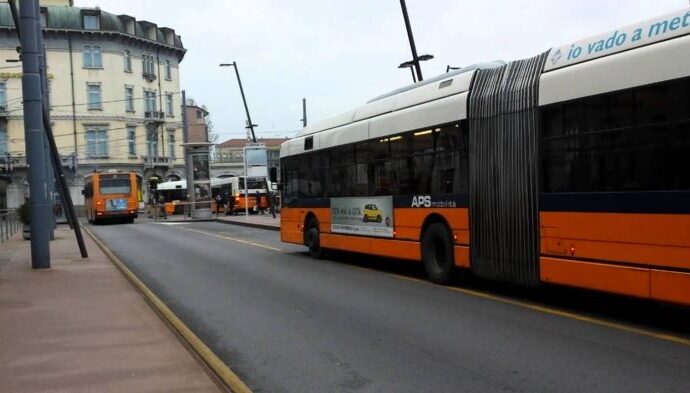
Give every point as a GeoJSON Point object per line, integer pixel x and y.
{"type": "Point", "coordinates": [81, 327]}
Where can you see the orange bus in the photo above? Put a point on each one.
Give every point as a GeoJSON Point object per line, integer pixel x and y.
{"type": "Point", "coordinates": [109, 196]}
{"type": "Point", "coordinates": [567, 168]}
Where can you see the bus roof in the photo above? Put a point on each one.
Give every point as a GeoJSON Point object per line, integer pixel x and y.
{"type": "Point", "coordinates": [443, 99]}
{"type": "Point", "coordinates": [650, 31]}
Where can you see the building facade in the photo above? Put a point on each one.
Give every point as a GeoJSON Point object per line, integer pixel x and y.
{"type": "Point", "coordinates": [114, 92]}
{"type": "Point", "coordinates": [228, 157]}
{"type": "Point", "coordinates": [196, 123]}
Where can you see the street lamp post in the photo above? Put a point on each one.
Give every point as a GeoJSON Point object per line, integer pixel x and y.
{"type": "Point", "coordinates": [415, 59]}
{"type": "Point", "coordinates": [250, 125]}
{"type": "Point", "coordinates": [410, 37]}
{"type": "Point", "coordinates": [411, 65]}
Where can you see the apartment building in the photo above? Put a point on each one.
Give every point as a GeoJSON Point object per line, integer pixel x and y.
{"type": "Point", "coordinates": [114, 87]}
{"type": "Point", "coordinates": [228, 157]}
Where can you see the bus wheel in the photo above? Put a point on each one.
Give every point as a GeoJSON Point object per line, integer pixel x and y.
{"type": "Point", "coordinates": [312, 239]}
{"type": "Point", "coordinates": [438, 254]}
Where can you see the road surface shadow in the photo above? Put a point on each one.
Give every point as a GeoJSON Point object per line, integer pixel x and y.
{"type": "Point", "coordinates": [645, 314]}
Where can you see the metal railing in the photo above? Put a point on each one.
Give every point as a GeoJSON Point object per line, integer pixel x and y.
{"type": "Point", "coordinates": [182, 210]}
{"type": "Point", "coordinates": [156, 161]}
{"type": "Point", "coordinates": [9, 224]}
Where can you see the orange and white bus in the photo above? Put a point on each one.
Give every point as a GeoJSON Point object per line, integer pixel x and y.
{"type": "Point", "coordinates": [110, 196]}
{"type": "Point", "coordinates": [230, 187]}
{"type": "Point", "coordinates": [569, 168]}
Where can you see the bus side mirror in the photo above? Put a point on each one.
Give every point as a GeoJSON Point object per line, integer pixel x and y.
{"type": "Point", "coordinates": [273, 174]}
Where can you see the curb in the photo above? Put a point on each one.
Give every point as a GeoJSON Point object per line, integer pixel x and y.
{"type": "Point", "coordinates": [249, 224]}
{"type": "Point", "coordinates": [223, 372]}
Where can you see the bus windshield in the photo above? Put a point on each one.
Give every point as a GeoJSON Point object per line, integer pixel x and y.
{"type": "Point", "coordinates": [252, 184]}
{"type": "Point", "coordinates": [115, 186]}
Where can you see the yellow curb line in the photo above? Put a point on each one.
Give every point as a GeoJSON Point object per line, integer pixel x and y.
{"type": "Point", "coordinates": [554, 311]}
{"type": "Point", "coordinates": [235, 240]}
{"type": "Point", "coordinates": [219, 368]}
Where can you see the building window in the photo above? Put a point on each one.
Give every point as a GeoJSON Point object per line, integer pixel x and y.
{"type": "Point", "coordinates": [149, 101]}
{"type": "Point", "coordinates": [3, 140]}
{"type": "Point", "coordinates": [96, 143]}
{"type": "Point", "coordinates": [129, 98]}
{"type": "Point", "coordinates": [91, 22]}
{"type": "Point", "coordinates": [3, 97]}
{"type": "Point", "coordinates": [199, 115]}
{"type": "Point", "coordinates": [44, 18]}
{"type": "Point", "coordinates": [148, 67]}
{"type": "Point", "coordinates": [92, 57]}
{"type": "Point", "coordinates": [171, 144]}
{"type": "Point", "coordinates": [152, 143]}
{"type": "Point", "coordinates": [93, 92]}
{"type": "Point", "coordinates": [168, 70]}
{"type": "Point", "coordinates": [169, 104]}
{"type": "Point", "coordinates": [132, 140]}
{"type": "Point", "coordinates": [128, 60]}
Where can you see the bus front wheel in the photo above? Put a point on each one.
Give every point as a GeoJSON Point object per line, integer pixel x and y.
{"type": "Point", "coordinates": [313, 238]}
{"type": "Point", "coordinates": [438, 253]}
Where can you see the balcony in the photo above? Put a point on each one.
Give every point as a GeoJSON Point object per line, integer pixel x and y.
{"type": "Point", "coordinates": [9, 162]}
{"type": "Point", "coordinates": [69, 161]}
{"type": "Point", "coordinates": [148, 76]}
{"type": "Point", "coordinates": [157, 161]}
{"type": "Point", "coordinates": [154, 117]}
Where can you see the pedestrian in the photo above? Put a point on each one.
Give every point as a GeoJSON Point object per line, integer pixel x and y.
{"type": "Point", "coordinates": [219, 203]}
{"type": "Point", "coordinates": [271, 204]}
{"type": "Point", "coordinates": [230, 207]}
{"type": "Point", "coordinates": [161, 206]}
{"type": "Point", "coordinates": [257, 206]}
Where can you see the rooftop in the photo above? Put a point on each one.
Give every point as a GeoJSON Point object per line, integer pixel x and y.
{"type": "Point", "coordinates": [63, 18]}
{"type": "Point", "coordinates": [269, 142]}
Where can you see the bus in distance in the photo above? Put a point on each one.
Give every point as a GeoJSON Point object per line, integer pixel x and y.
{"type": "Point", "coordinates": [231, 187]}
{"type": "Point", "coordinates": [111, 196]}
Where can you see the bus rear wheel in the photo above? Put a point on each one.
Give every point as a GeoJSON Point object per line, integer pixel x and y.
{"type": "Point", "coordinates": [312, 238]}
{"type": "Point", "coordinates": [438, 253]}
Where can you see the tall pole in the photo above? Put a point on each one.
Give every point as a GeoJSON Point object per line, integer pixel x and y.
{"type": "Point", "coordinates": [50, 169]}
{"type": "Point", "coordinates": [191, 195]}
{"type": "Point", "coordinates": [415, 58]}
{"type": "Point", "coordinates": [244, 100]}
{"type": "Point", "coordinates": [304, 112]}
{"type": "Point", "coordinates": [55, 155]}
{"type": "Point", "coordinates": [34, 135]}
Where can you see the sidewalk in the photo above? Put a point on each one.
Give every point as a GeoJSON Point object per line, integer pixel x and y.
{"type": "Point", "coordinates": [265, 221]}
{"type": "Point", "coordinates": [82, 327]}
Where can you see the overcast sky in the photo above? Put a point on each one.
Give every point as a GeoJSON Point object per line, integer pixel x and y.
{"type": "Point", "coordinates": [340, 53]}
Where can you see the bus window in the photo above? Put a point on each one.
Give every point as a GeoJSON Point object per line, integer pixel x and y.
{"type": "Point", "coordinates": [115, 186]}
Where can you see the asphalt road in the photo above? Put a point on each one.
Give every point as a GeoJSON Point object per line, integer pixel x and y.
{"type": "Point", "coordinates": [286, 323]}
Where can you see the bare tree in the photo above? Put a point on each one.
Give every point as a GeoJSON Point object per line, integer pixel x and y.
{"type": "Point", "coordinates": [210, 127]}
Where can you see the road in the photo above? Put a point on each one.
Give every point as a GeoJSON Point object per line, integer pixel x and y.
{"type": "Point", "coordinates": [286, 323]}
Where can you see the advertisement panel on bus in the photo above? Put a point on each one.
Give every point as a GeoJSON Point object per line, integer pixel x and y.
{"type": "Point", "coordinates": [371, 216]}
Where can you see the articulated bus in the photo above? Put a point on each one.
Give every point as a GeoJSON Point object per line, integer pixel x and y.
{"type": "Point", "coordinates": [109, 196]}
{"type": "Point", "coordinates": [570, 168]}
{"type": "Point", "coordinates": [232, 187]}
